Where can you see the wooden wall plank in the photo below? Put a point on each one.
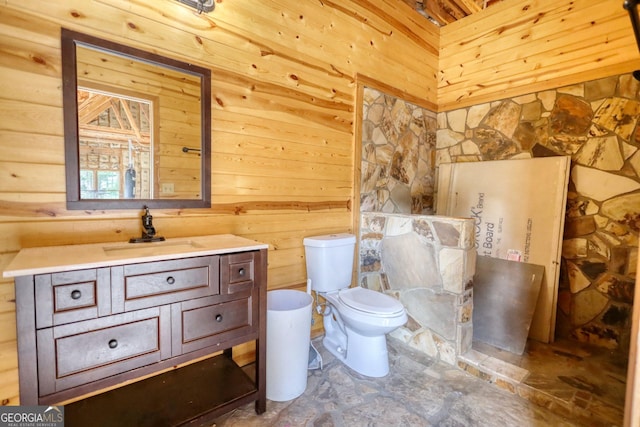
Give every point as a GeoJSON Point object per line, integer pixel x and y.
{"type": "Point", "coordinates": [26, 177]}
{"type": "Point", "coordinates": [513, 49]}
{"type": "Point", "coordinates": [41, 148]}
{"type": "Point", "coordinates": [7, 297]}
{"type": "Point", "coordinates": [8, 356]}
{"type": "Point", "coordinates": [9, 386]}
{"type": "Point", "coordinates": [283, 168]}
{"type": "Point", "coordinates": [8, 322]}
{"type": "Point", "coordinates": [17, 85]}
{"type": "Point", "coordinates": [268, 101]}
{"type": "Point", "coordinates": [246, 186]}
{"type": "Point", "coordinates": [18, 116]}
{"type": "Point", "coordinates": [16, 235]}
{"type": "Point", "coordinates": [28, 56]}
{"type": "Point", "coordinates": [323, 145]}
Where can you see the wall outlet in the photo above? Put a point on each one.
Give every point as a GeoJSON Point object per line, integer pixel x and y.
{"type": "Point", "coordinates": [167, 188]}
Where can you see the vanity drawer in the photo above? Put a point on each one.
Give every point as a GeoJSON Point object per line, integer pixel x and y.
{"type": "Point", "coordinates": [74, 354]}
{"type": "Point", "coordinates": [237, 272]}
{"type": "Point", "coordinates": [164, 282]}
{"type": "Point", "coordinates": [206, 322]}
{"type": "Point", "coordinates": [72, 296]}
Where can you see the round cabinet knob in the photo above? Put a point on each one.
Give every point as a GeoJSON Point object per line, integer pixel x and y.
{"type": "Point", "coordinates": [76, 294]}
{"type": "Point", "coordinates": [218, 318]}
{"type": "Point", "coordinates": [241, 272]}
{"type": "Point", "coordinates": [113, 343]}
{"type": "Point", "coordinates": [171, 280]}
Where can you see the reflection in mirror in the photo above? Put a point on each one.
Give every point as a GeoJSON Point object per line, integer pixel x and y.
{"type": "Point", "coordinates": [115, 146]}
{"type": "Point", "coordinates": [137, 127]}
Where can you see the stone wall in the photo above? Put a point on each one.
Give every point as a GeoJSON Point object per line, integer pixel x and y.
{"type": "Point", "coordinates": [398, 156]}
{"type": "Point", "coordinates": [593, 122]}
{"type": "Point", "coordinates": [596, 124]}
{"type": "Point", "coordinates": [428, 263]}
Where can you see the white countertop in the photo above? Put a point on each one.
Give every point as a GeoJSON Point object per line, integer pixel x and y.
{"type": "Point", "coordinates": [77, 257]}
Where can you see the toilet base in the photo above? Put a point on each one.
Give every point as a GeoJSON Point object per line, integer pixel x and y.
{"type": "Point", "coordinates": [364, 354]}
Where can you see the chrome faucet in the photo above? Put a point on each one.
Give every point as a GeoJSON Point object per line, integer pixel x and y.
{"type": "Point", "coordinates": [148, 230]}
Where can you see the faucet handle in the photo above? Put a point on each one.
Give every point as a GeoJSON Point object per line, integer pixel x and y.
{"type": "Point", "coordinates": [148, 230]}
{"type": "Point", "coordinates": [147, 223]}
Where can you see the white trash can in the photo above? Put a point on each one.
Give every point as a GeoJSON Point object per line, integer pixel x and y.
{"type": "Point", "coordinates": [288, 340]}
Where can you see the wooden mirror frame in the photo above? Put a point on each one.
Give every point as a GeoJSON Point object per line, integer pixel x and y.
{"type": "Point", "coordinates": [70, 39]}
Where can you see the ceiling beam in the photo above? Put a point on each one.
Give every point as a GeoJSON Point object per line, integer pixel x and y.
{"type": "Point", "coordinates": [446, 11]}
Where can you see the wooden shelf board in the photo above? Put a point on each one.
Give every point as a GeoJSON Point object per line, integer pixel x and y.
{"type": "Point", "coordinates": [191, 394]}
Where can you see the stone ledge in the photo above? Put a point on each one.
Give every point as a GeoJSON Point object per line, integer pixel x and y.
{"type": "Point", "coordinates": [513, 378]}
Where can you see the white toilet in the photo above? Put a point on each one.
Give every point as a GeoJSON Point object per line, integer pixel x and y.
{"type": "Point", "coordinates": [356, 320]}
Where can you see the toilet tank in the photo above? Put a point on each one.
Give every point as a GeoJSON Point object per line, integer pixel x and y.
{"type": "Point", "coordinates": [329, 261]}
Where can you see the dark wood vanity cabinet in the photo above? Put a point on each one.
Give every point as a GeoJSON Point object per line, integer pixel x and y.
{"type": "Point", "coordinates": [88, 330]}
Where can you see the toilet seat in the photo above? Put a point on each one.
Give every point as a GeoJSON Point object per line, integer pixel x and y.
{"type": "Point", "coordinates": [372, 302]}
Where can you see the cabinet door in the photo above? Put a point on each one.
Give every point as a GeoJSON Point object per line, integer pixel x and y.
{"type": "Point", "coordinates": [72, 296]}
{"type": "Point", "coordinates": [82, 352]}
{"type": "Point", "coordinates": [151, 284]}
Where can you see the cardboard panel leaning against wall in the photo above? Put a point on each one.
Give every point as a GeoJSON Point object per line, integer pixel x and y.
{"type": "Point", "coordinates": [596, 124]}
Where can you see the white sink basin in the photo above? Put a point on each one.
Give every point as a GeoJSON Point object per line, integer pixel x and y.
{"type": "Point", "coordinates": [152, 248]}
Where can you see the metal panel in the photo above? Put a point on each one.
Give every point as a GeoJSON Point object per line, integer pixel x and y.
{"type": "Point", "coordinates": [504, 299]}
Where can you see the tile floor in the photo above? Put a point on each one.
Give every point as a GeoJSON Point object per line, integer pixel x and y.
{"type": "Point", "coordinates": [562, 388]}
{"type": "Point", "coordinates": [571, 378]}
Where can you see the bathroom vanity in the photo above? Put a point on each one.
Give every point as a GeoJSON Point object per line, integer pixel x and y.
{"type": "Point", "coordinates": [93, 317]}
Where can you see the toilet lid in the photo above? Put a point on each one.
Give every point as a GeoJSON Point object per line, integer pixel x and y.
{"type": "Point", "coordinates": [370, 301]}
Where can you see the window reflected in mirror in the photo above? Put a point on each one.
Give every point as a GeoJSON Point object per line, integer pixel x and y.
{"type": "Point", "coordinates": [115, 145]}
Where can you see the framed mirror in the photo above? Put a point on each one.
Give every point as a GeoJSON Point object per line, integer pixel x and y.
{"type": "Point", "coordinates": [137, 127]}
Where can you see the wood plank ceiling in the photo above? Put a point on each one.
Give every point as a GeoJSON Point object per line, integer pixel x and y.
{"type": "Point", "coordinates": [443, 12]}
